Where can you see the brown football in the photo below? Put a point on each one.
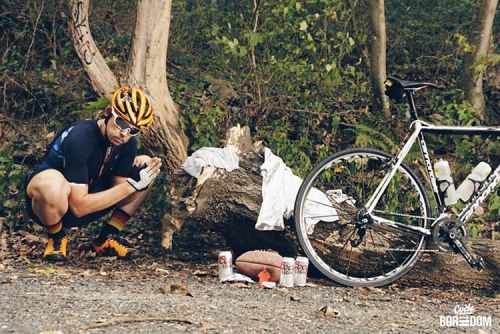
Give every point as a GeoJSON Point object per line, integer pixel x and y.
{"type": "Point", "coordinates": [253, 262]}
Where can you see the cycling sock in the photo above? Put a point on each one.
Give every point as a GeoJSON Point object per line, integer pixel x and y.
{"type": "Point", "coordinates": [117, 222]}
{"type": "Point", "coordinates": [54, 229]}
{"type": "Point", "coordinates": [119, 219]}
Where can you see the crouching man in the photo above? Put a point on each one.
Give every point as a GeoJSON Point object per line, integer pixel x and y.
{"type": "Point", "coordinates": [90, 168]}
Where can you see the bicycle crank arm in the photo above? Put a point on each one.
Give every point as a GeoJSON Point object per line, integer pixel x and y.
{"type": "Point", "coordinates": [473, 262]}
{"type": "Point", "coordinates": [399, 226]}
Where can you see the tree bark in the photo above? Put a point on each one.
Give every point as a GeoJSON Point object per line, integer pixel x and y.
{"type": "Point", "coordinates": [444, 270]}
{"type": "Point", "coordinates": [378, 53]}
{"type": "Point", "coordinates": [472, 77]}
{"type": "Point", "coordinates": [148, 68]}
{"type": "Point", "coordinates": [101, 78]}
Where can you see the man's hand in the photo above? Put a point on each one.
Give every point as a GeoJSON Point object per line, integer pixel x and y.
{"type": "Point", "coordinates": [145, 174]}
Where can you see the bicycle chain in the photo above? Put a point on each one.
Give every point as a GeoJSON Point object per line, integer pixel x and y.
{"type": "Point", "coordinates": [403, 215]}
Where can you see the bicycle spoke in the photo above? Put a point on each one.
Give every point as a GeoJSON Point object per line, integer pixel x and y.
{"type": "Point", "coordinates": [388, 249]}
{"type": "Point", "coordinates": [331, 206]}
{"type": "Point", "coordinates": [349, 263]}
{"type": "Point", "coordinates": [379, 259]}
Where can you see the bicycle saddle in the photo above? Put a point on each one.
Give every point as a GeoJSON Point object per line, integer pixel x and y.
{"type": "Point", "coordinates": [396, 88]}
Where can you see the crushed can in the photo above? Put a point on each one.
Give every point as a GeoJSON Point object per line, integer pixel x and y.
{"type": "Point", "coordinates": [225, 264]}
{"type": "Point", "coordinates": [287, 272]}
{"type": "Point", "coordinates": [301, 266]}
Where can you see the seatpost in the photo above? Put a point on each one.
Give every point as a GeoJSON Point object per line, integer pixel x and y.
{"type": "Point", "coordinates": [411, 102]}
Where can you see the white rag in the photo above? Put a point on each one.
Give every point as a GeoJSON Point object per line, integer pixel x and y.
{"type": "Point", "coordinates": [226, 158]}
{"type": "Point", "coordinates": [279, 190]}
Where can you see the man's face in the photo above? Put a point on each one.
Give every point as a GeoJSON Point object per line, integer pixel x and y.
{"type": "Point", "coordinates": [119, 131]}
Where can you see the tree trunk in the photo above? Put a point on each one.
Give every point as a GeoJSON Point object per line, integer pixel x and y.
{"type": "Point", "coordinates": [472, 74]}
{"type": "Point", "coordinates": [444, 270]}
{"type": "Point", "coordinates": [378, 53]}
{"type": "Point", "coordinates": [148, 68]}
{"type": "Point", "coordinates": [101, 78]}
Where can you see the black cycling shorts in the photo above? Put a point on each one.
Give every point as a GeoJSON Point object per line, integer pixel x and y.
{"type": "Point", "coordinates": [69, 219]}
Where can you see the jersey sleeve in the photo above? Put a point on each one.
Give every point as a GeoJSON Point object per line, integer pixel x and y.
{"type": "Point", "coordinates": [77, 151]}
{"type": "Point", "coordinates": [124, 163]}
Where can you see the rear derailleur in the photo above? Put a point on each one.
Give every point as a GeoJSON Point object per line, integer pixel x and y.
{"type": "Point", "coordinates": [450, 235]}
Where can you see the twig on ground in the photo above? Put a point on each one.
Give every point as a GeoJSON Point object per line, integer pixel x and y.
{"type": "Point", "coordinates": [119, 321]}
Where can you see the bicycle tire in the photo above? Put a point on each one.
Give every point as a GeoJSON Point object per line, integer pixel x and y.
{"type": "Point", "coordinates": [405, 186]}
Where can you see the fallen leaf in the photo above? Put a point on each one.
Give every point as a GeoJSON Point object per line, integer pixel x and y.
{"type": "Point", "coordinates": [201, 273]}
{"type": "Point", "coordinates": [86, 273]}
{"type": "Point", "coordinates": [31, 237]}
{"type": "Point", "coordinates": [362, 303]}
{"type": "Point", "coordinates": [174, 288]}
{"type": "Point", "coordinates": [311, 285]}
{"type": "Point", "coordinates": [240, 285]}
{"type": "Point", "coordinates": [327, 312]}
{"type": "Point", "coordinates": [44, 271]}
{"type": "Point", "coordinates": [163, 271]}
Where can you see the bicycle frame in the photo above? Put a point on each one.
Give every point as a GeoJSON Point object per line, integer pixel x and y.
{"type": "Point", "coordinates": [420, 128]}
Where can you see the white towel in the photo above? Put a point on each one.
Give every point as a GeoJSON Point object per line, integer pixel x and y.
{"type": "Point", "coordinates": [210, 156]}
{"type": "Point", "coordinates": [279, 190]}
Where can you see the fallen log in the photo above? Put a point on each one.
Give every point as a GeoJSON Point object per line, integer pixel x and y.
{"type": "Point", "coordinates": [230, 202]}
{"type": "Point", "coordinates": [452, 270]}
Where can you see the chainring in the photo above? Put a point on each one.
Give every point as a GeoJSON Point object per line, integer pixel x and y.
{"type": "Point", "coordinates": [441, 231]}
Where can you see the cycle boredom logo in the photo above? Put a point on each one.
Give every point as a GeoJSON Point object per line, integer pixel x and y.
{"type": "Point", "coordinates": [464, 317]}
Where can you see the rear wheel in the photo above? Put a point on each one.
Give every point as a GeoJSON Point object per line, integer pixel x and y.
{"type": "Point", "coordinates": [337, 235]}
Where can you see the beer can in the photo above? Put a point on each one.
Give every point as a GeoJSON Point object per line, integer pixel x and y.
{"type": "Point", "coordinates": [225, 264]}
{"type": "Point", "coordinates": [287, 272]}
{"type": "Point", "coordinates": [301, 265]}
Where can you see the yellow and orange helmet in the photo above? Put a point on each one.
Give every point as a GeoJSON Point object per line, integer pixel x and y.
{"type": "Point", "coordinates": [133, 105]}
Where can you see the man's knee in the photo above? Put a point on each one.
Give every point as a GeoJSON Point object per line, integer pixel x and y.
{"type": "Point", "coordinates": [49, 187]}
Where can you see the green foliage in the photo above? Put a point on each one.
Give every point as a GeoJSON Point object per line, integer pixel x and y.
{"type": "Point", "coordinates": [204, 122]}
{"type": "Point", "coordinates": [494, 207]}
{"type": "Point", "coordinates": [38, 62]}
{"type": "Point", "coordinates": [11, 192]}
{"type": "Point", "coordinates": [474, 230]}
{"type": "Point", "coordinates": [367, 136]}
{"type": "Point", "coordinates": [90, 109]}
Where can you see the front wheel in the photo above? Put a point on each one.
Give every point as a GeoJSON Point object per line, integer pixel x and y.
{"type": "Point", "coordinates": [337, 235]}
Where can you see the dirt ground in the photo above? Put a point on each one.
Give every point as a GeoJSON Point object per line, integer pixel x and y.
{"type": "Point", "coordinates": [162, 294]}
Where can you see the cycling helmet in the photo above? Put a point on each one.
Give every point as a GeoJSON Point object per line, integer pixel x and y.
{"type": "Point", "coordinates": [133, 106]}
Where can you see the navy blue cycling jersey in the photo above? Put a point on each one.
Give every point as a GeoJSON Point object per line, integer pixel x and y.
{"type": "Point", "coordinates": [84, 156]}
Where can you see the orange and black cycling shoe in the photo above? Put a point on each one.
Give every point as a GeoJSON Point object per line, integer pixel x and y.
{"type": "Point", "coordinates": [115, 246]}
{"type": "Point", "coordinates": [55, 250]}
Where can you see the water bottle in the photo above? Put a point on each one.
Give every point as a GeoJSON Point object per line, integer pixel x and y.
{"type": "Point", "coordinates": [473, 181]}
{"type": "Point", "coordinates": [445, 182]}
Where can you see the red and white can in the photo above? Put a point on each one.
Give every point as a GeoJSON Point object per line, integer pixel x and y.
{"type": "Point", "coordinates": [301, 265]}
{"type": "Point", "coordinates": [225, 264]}
{"type": "Point", "coordinates": [287, 272]}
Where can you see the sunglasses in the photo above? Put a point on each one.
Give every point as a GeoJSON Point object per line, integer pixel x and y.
{"type": "Point", "coordinates": [122, 125]}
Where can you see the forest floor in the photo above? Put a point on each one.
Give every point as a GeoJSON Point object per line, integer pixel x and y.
{"type": "Point", "coordinates": [167, 294]}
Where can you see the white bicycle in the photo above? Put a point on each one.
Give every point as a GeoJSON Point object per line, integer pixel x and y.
{"type": "Point", "coordinates": [377, 219]}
